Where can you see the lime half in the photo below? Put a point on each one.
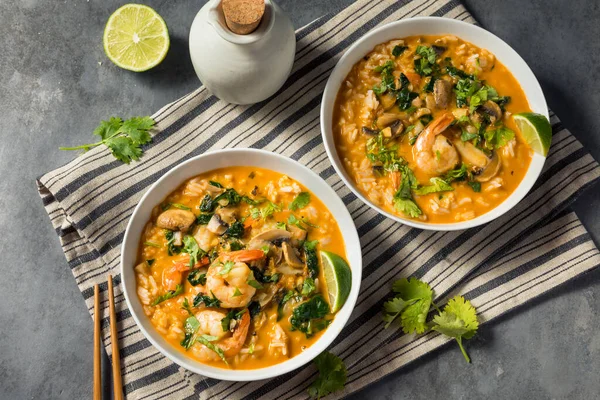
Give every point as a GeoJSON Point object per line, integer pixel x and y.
{"type": "Point", "coordinates": [536, 130]}
{"type": "Point", "coordinates": [136, 38]}
{"type": "Point", "coordinates": [338, 278]}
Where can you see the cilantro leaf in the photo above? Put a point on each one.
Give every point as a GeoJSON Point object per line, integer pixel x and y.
{"type": "Point", "coordinates": [458, 320]}
{"type": "Point", "coordinates": [190, 327]}
{"type": "Point", "coordinates": [392, 309]}
{"type": "Point", "coordinates": [123, 148]}
{"type": "Point", "coordinates": [137, 129]}
{"type": "Point", "coordinates": [332, 375]}
{"type": "Point", "coordinates": [426, 64]}
{"type": "Point", "coordinates": [300, 201]}
{"type": "Point", "coordinates": [108, 128]}
{"type": "Point", "coordinates": [437, 185]}
{"type": "Point", "coordinates": [403, 200]}
{"type": "Point", "coordinates": [308, 287]}
{"type": "Point", "coordinates": [496, 138]}
{"type": "Point", "coordinates": [417, 296]}
{"type": "Point", "coordinates": [191, 247]}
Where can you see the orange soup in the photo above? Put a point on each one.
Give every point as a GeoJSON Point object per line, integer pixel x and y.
{"type": "Point", "coordinates": [424, 127]}
{"type": "Point", "coordinates": [230, 268]}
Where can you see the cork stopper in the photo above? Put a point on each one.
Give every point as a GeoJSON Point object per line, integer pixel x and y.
{"type": "Point", "coordinates": [243, 16]}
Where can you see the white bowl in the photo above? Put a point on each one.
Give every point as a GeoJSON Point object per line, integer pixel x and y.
{"type": "Point", "coordinates": [435, 26]}
{"type": "Point", "coordinates": [227, 158]}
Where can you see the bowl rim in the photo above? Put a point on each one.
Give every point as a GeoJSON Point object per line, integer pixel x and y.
{"type": "Point", "coordinates": [131, 241]}
{"type": "Point", "coordinates": [534, 95]}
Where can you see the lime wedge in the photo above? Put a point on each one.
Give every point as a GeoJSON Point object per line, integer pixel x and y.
{"type": "Point", "coordinates": [338, 278]}
{"type": "Point", "coordinates": [136, 38]}
{"type": "Point", "coordinates": [536, 130]}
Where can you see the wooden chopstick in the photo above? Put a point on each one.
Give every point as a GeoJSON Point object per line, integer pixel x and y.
{"type": "Point", "coordinates": [116, 361]}
{"type": "Point", "coordinates": [97, 368]}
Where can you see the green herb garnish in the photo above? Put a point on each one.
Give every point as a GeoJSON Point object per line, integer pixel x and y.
{"type": "Point", "coordinates": [123, 138]}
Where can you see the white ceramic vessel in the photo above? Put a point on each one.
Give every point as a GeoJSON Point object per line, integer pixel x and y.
{"type": "Point", "coordinates": [242, 69]}
{"type": "Point", "coordinates": [435, 26]}
{"type": "Point", "coordinates": [227, 158]}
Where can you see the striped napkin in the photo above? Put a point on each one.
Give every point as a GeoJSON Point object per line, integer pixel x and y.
{"type": "Point", "coordinates": [535, 247]}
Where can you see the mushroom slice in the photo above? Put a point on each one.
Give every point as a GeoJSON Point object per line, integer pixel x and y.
{"type": "Point", "coordinates": [290, 256]}
{"type": "Point", "coordinates": [387, 119]}
{"type": "Point", "coordinates": [275, 236]}
{"type": "Point", "coordinates": [492, 109]}
{"type": "Point", "coordinates": [471, 154]}
{"type": "Point", "coordinates": [442, 91]}
{"type": "Point", "coordinates": [227, 214]}
{"type": "Point", "coordinates": [387, 101]}
{"type": "Point", "coordinates": [176, 220]}
{"type": "Point", "coordinates": [216, 225]}
{"type": "Point", "coordinates": [490, 170]}
{"type": "Point", "coordinates": [369, 131]}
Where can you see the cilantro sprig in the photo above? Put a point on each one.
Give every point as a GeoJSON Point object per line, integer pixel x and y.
{"type": "Point", "coordinates": [412, 301]}
{"type": "Point", "coordinates": [332, 375]}
{"type": "Point", "coordinates": [123, 138]}
{"type": "Point", "coordinates": [458, 320]}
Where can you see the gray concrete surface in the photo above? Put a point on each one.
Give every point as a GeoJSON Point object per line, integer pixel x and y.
{"type": "Point", "coordinates": [56, 84]}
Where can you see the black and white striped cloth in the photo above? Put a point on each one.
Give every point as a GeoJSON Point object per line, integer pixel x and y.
{"type": "Point", "coordinates": [535, 247]}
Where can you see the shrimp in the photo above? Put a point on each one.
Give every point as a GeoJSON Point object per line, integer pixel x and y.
{"type": "Point", "coordinates": [230, 287]}
{"type": "Point", "coordinates": [243, 255]}
{"type": "Point", "coordinates": [210, 324]}
{"type": "Point", "coordinates": [433, 152]}
{"type": "Point", "coordinates": [173, 275]}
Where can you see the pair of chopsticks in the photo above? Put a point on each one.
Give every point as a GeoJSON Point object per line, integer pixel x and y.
{"type": "Point", "coordinates": [116, 362]}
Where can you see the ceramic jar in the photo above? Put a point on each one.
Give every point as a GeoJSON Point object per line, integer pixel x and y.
{"type": "Point", "coordinates": [242, 69]}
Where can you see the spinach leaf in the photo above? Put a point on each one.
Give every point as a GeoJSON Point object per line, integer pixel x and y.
{"type": "Point", "coordinates": [204, 219]}
{"type": "Point", "coordinates": [208, 301]}
{"type": "Point", "coordinates": [476, 186]}
{"type": "Point", "coordinates": [171, 248]}
{"type": "Point", "coordinates": [215, 184]}
{"type": "Point", "coordinates": [235, 230]}
{"type": "Point", "coordinates": [254, 308]}
{"type": "Point", "coordinates": [312, 262]}
{"type": "Point", "coordinates": [264, 278]}
{"type": "Point", "coordinates": [308, 317]}
{"type": "Point", "coordinates": [404, 96]}
{"type": "Point", "coordinates": [195, 277]}
{"type": "Point", "coordinates": [230, 197]}
{"type": "Point", "coordinates": [207, 204]}
{"type": "Point", "coordinates": [397, 50]}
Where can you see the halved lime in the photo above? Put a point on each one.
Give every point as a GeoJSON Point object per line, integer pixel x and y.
{"type": "Point", "coordinates": [136, 38]}
{"type": "Point", "coordinates": [338, 278]}
{"type": "Point", "coordinates": [536, 130]}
